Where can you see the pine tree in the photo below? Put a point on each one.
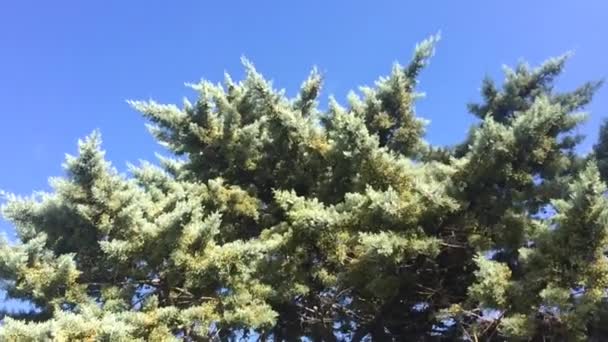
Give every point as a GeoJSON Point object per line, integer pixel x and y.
{"type": "Point", "coordinates": [277, 220]}
{"type": "Point", "coordinates": [600, 151]}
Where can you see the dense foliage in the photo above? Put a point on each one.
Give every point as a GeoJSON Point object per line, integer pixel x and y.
{"type": "Point", "coordinates": [277, 220]}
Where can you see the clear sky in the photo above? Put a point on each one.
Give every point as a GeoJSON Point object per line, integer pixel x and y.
{"type": "Point", "coordinates": [67, 67]}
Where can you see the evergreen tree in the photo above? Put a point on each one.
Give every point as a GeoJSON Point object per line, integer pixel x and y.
{"type": "Point", "coordinates": [600, 151]}
{"type": "Point", "coordinates": [278, 220]}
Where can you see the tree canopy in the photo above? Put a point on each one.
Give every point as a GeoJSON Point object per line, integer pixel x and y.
{"type": "Point", "coordinates": [275, 219]}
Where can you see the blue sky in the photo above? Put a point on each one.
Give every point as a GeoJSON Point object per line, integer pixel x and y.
{"type": "Point", "coordinates": [67, 67]}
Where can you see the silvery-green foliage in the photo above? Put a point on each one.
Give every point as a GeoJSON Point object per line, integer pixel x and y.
{"type": "Point", "coordinates": [277, 219]}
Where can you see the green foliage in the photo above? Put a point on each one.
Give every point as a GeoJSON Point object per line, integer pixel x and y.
{"type": "Point", "coordinates": [277, 219]}
{"type": "Point", "coordinates": [600, 151]}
